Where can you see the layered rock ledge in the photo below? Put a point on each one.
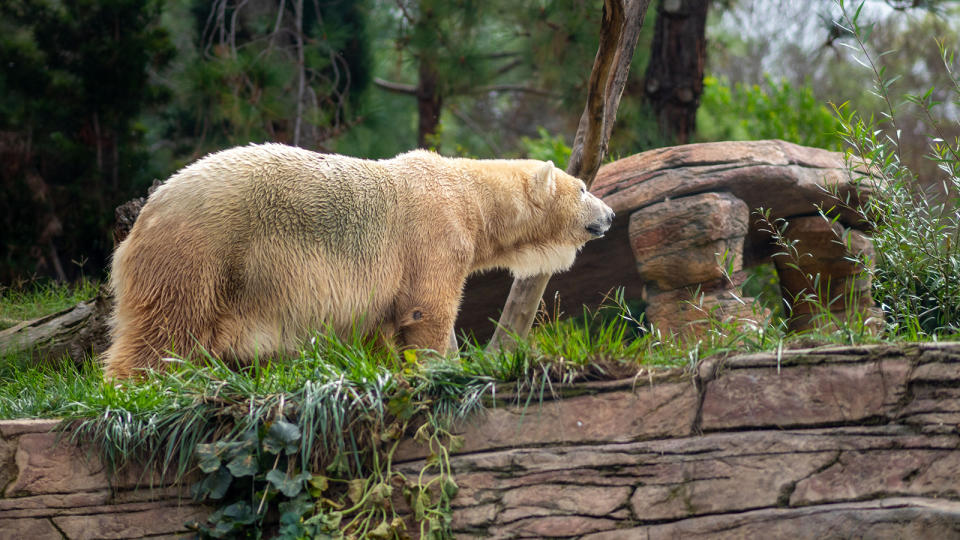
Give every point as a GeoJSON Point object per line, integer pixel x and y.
{"type": "Point", "coordinates": [835, 442]}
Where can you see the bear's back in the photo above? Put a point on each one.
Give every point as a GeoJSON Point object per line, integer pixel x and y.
{"type": "Point", "coordinates": [280, 193]}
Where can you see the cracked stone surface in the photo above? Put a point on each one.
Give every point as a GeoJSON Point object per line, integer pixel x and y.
{"type": "Point", "coordinates": [834, 442]}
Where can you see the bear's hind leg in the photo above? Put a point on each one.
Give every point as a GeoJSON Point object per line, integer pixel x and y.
{"type": "Point", "coordinates": [428, 326]}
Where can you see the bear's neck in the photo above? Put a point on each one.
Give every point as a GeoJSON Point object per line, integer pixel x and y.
{"type": "Point", "coordinates": [506, 223]}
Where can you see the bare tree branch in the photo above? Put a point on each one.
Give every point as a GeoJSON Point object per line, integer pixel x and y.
{"type": "Point", "coordinates": [509, 66]}
{"type": "Point", "coordinates": [505, 88]}
{"type": "Point", "coordinates": [399, 88]}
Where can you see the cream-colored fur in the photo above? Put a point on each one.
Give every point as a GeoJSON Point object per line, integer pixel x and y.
{"type": "Point", "coordinates": [246, 251]}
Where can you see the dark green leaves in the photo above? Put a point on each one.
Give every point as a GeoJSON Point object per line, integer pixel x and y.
{"type": "Point", "coordinates": [289, 486]}
{"type": "Point", "coordinates": [282, 437]}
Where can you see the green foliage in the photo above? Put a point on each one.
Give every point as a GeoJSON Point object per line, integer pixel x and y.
{"type": "Point", "coordinates": [237, 76]}
{"type": "Point", "coordinates": [76, 77]}
{"type": "Point", "coordinates": [547, 148]}
{"type": "Point", "coordinates": [915, 232]}
{"type": "Point", "coordinates": [776, 110]}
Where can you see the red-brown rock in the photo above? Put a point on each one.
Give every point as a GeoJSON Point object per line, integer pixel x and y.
{"type": "Point", "coordinates": [679, 242]}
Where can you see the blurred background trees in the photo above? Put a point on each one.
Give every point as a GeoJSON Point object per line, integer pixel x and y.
{"type": "Point", "coordinates": [100, 97]}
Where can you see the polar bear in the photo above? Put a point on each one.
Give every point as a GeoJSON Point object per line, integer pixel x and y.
{"type": "Point", "coordinates": [247, 251]}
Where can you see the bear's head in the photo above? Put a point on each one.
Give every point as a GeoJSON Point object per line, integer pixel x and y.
{"type": "Point", "coordinates": [565, 216]}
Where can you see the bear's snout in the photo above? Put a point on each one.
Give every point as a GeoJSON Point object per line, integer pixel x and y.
{"type": "Point", "coordinates": [602, 224]}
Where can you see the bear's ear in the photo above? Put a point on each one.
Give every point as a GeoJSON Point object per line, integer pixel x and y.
{"type": "Point", "coordinates": [545, 182]}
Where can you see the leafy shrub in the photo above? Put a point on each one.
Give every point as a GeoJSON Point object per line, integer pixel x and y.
{"type": "Point", "coordinates": [547, 147]}
{"type": "Point", "coordinates": [916, 231]}
{"type": "Point", "coordinates": [776, 110]}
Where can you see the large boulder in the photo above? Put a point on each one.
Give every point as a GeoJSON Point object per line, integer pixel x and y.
{"type": "Point", "coordinates": [690, 221]}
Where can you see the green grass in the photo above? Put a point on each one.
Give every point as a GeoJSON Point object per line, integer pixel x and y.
{"type": "Point", "coordinates": [612, 342]}
{"type": "Point", "coordinates": [39, 298]}
{"type": "Point", "coordinates": [332, 414]}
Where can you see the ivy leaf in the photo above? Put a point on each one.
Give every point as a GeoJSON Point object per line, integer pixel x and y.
{"type": "Point", "coordinates": [450, 488]}
{"type": "Point", "coordinates": [420, 502]}
{"type": "Point", "coordinates": [403, 406]}
{"type": "Point", "coordinates": [381, 531]}
{"type": "Point", "coordinates": [213, 486]}
{"type": "Point", "coordinates": [240, 512]}
{"type": "Point", "coordinates": [207, 458]}
{"type": "Point", "coordinates": [435, 528]}
{"type": "Point", "coordinates": [282, 436]}
{"type": "Point", "coordinates": [221, 481]}
{"type": "Point", "coordinates": [317, 484]}
{"type": "Point", "coordinates": [456, 443]}
{"type": "Point", "coordinates": [381, 493]}
{"type": "Point", "coordinates": [243, 465]}
{"type": "Point", "coordinates": [355, 489]}
{"type": "Point", "coordinates": [292, 511]}
{"type": "Point", "coordinates": [290, 487]}
{"type": "Point", "coordinates": [327, 522]}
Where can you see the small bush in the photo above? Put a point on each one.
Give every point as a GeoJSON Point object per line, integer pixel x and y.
{"type": "Point", "coordinates": [916, 231]}
{"type": "Point", "coordinates": [775, 110]}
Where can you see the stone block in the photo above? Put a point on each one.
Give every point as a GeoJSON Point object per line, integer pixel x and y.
{"type": "Point", "coordinates": [684, 488]}
{"type": "Point", "coordinates": [19, 426]}
{"type": "Point", "coordinates": [677, 242]}
{"type": "Point", "coordinates": [859, 475]}
{"type": "Point", "coordinates": [155, 521]}
{"type": "Point", "coordinates": [47, 465]}
{"type": "Point", "coordinates": [28, 529]}
{"type": "Point", "coordinates": [552, 527]}
{"type": "Point", "coordinates": [661, 410]}
{"type": "Point", "coordinates": [888, 519]}
{"type": "Point", "coordinates": [803, 395]}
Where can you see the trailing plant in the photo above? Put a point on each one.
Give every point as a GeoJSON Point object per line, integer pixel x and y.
{"type": "Point", "coordinates": [305, 445]}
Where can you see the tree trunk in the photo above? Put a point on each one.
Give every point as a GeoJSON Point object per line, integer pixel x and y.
{"type": "Point", "coordinates": [429, 103]}
{"type": "Point", "coordinates": [619, 31]}
{"type": "Point", "coordinates": [77, 332]}
{"type": "Point", "coordinates": [674, 78]}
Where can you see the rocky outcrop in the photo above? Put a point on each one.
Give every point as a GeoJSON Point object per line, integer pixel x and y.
{"type": "Point", "coordinates": [841, 442]}
{"type": "Point", "coordinates": [837, 442]}
{"type": "Point", "coordinates": [683, 207]}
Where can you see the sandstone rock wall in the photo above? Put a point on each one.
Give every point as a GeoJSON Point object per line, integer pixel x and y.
{"type": "Point", "coordinates": [842, 442]}
{"type": "Point", "coordinates": [855, 442]}
{"type": "Point", "coordinates": [52, 490]}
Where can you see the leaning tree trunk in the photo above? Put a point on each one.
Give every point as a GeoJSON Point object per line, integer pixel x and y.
{"type": "Point", "coordinates": [674, 78]}
{"type": "Point", "coordinates": [619, 31]}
